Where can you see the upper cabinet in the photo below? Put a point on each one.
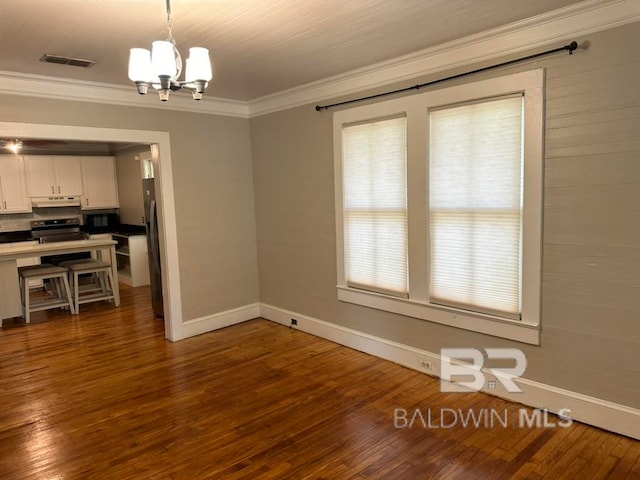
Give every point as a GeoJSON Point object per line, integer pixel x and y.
{"type": "Point", "coordinates": [53, 175]}
{"type": "Point", "coordinates": [68, 175]}
{"type": "Point", "coordinates": [13, 187]}
{"type": "Point", "coordinates": [22, 178]}
{"type": "Point", "coordinates": [99, 182]}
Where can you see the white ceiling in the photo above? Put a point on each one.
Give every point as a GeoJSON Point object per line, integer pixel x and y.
{"type": "Point", "coordinates": [258, 47]}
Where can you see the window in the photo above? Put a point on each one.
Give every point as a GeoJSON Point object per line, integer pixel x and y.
{"type": "Point", "coordinates": [475, 208]}
{"type": "Point", "coordinates": [438, 205]}
{"type": "Point", "coordinates": [375, 205]}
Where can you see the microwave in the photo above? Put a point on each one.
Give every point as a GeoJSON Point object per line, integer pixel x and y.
{"type": "Point", "coordinates": [105, 222]}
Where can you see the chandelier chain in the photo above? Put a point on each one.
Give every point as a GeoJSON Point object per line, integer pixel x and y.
{"type": "Point", "coordinates": [170, 23]}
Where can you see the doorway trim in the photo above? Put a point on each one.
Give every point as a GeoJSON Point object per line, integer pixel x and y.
{"type": "Point", "coordinates": [163, 181]}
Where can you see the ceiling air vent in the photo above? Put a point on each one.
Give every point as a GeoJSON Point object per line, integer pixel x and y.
{"type": "Point", "coordinates": [60, 60]}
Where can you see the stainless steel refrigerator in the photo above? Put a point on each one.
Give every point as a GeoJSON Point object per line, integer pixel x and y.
{"type": "Point", "coordinates": [153, 245]}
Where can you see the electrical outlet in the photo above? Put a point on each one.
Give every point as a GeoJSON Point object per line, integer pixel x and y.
{"type": "Point", "coordinates": [426, 365]}
{"type": "Point", "coordinates": [294, 322]}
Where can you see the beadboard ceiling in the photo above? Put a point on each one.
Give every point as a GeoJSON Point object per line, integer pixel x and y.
{"type": "Point", "coordinates": [258, 47]}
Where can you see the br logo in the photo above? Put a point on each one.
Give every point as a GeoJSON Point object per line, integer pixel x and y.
{"type": "Point", "coordinates": [468, 363]}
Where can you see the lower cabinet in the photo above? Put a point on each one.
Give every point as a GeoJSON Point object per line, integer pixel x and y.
{"type": "Point", "coordinates": [133, 262]}
{"type": "Point", "coordinates": [10, 294]}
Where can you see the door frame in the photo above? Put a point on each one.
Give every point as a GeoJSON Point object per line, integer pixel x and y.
{"type": "Point", "coordinates": [163, 181]}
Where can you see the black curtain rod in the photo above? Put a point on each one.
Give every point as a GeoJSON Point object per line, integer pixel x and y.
{"type": "Point", "coordinates": [570, 48]}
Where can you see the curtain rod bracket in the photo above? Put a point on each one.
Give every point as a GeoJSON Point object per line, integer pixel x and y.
{"type": "Point", "coordinates": [571, 47]}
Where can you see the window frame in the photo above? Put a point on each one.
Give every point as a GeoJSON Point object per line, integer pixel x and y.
{"type": "Point", "coordinates": [416, 107]}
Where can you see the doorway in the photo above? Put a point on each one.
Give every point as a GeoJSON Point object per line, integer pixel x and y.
{"type": "Point", "coordinates": [161, 158]}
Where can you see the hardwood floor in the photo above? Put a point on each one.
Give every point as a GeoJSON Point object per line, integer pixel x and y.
{"type": "Point", "coordinates": [103, 396]}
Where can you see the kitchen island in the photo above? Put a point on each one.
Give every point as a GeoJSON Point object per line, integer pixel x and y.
{"type": "Point", "coordinates": [10, 305]}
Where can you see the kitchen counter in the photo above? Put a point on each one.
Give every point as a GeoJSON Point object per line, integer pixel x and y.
{"type": "Point", "coordinates": [9, 288]}
{"type": "Point", "coordinates": [122, 229]}
{"type": "Point", "coordinates": [130, 230]}
{"type": "Point", "coordinates": [52, 248]}
{"type": "Point", "coordinates": [19, 236]}
{"type": "Point", "coordinates": [94, 230]}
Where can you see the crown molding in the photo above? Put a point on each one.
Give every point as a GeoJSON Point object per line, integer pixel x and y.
{"type": "Point", "coordinates": [560, 25]}
{"type": "Point", "coordinates": [40, 86]}
{"type": "Point", "coordinates": [556, 26]}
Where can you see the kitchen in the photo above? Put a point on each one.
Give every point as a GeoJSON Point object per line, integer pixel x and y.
{"type": "Point", "coordinates": [73, 192]}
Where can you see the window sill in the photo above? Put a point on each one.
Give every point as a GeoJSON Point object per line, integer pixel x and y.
{"type": "Point", "coordinates": [481, 323]}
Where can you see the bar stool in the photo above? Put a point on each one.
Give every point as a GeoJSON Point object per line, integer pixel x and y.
{"type": "Point", "coordinates": [101, 287]}
{"type": "Point", "coordinates": [60, 295]}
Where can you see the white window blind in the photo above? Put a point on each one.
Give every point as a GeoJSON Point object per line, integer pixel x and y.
{"type": "Point", "coordinates": [375, 205]}
{"type": "Point", "coordinates": [475, 211]}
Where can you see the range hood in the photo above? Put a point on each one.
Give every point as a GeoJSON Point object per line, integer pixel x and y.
{"type": "Point", "coordinates": [40, 202]}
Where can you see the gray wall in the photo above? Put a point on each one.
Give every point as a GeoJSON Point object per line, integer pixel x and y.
{"type": "Point", "coordinates": [213, 184]}
{"type": "Point", "coordinates": [591, 267]}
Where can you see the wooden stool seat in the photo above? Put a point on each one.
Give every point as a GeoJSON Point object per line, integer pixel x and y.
{"type": "Point", "coordinates": [68, 263]}
{"type": "Point", "coordinates": [88, 264]}
{"type": "Point", "coordinates": [31, 271]}
{"type": "Point", "coordinates": [60, 295]}
{"type": "Point", "coordinates": [28, 268]}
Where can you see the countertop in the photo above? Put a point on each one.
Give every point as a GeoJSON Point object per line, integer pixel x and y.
{"type": "Point", "coordinates": [42, 249]}
{"type": "Point", "coordinates": [25, 235]}
{"type": "Point", "coordinates": [122, 229]}
{"type": "Point", "coordinates": [19, 236]}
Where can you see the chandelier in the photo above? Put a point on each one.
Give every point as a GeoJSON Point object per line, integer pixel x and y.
{"type": "Point", "coordinates": [161, 67]}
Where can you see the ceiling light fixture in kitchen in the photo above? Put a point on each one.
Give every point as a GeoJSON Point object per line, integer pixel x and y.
{"type": "Point", "coordinates": [13, 145]}
{"type": "Point", "coordinates": [161, 67]}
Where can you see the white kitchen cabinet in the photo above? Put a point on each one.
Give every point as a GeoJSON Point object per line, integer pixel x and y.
{"type": "Point", "coordinates": [10, 304]}
{"type": "Point", "coordinates": [133, 262]}
{"type": "Point", "coordinates": [53, 175]}
{"type": "Point", "coordinates": [13, 185]}
{"type": "Point", "coordinates": [68, 175]}
{"type": "Point", "coordinates": [99, 182]}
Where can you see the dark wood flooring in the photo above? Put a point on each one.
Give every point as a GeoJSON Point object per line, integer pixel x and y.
{"type": "Point", "coordinates": [103, 395]}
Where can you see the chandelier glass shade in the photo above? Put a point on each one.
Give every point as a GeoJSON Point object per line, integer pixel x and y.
{"type": "Point", "coordinates": [161, 67]}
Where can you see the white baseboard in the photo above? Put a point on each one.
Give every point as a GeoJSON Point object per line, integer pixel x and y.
{"type": "Point", "coordinates": [220, 320]}
{"type": "Point", "coordinates": [590, 410]}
